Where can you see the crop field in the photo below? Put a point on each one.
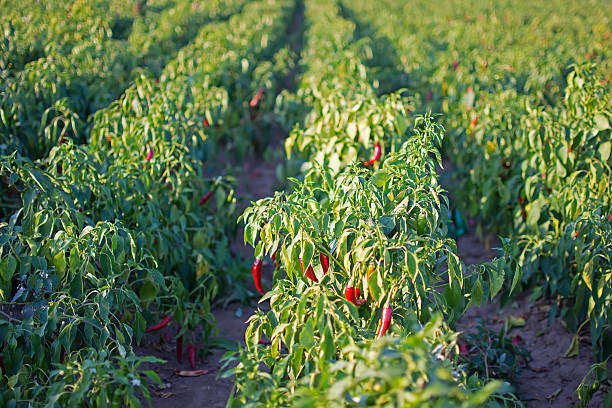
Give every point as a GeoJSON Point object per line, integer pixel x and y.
{"type": "Point", "coordinates": [305, 203]}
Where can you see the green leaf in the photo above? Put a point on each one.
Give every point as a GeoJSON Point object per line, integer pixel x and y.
{"type": "Point", "coordinates": [307, 253]}
{"type": "Point", "coordinates": [573, 347]}
{"type": "Point", "coordinates": [604, 150]}
{"type": "Point", "coordinates": [379, 178]}
{"type": "Point", "coordinates": [518, 274]}
{"type": "Point", "coordinates": [587, 274]}
{"type": "Point", "coordinates": [7, 268]}
{"type": "Point", "coordinates": [59, 263]}
{"type": "Point", "coordinates": [148, 291]}
{"type": "Point", "coordinates": [496, 281]}
{"type": "Point", "coordinates": [601, 122]}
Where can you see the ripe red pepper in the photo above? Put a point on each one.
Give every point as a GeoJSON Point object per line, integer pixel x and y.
{"type": "Point", "coordinates": [206, 123]}
{"type": "Point", "coordinates": [149, 154]}
{"type": "Point", "coordinates": [274, 258]}
{"type": "Point", "coordinates": [62, 354]}
{"type": "Point", "coordinates": [455, 65]}
{"type": "Point", "coordinates": [385, 320]}
{"type": "Point", "coordinates": [179, 348]}
{"type": "Point", "coordinates": [255, 101]}
{"type": "Point", "coordinates": [204, 199]}
{"type": "Point", "coordinates": [257, 275]}
{"type": "Point", "coordinates": [310, 274]}
{"type": "Point", "coordinates": [352, 295]}
{"type": "Point", "coordinates": [159, 325]}
{"type": "Point", "coordinates": [474, 122]}
{"type": "Point", "coordinates": [191, 351]}
{"type": "Point", "coordinates": [3, 369]}
{"type": "Point", "coordinates": [358, 302]}
{"type": "Point", "coordinates": [349, 294]}
{"type": "Point", "coordinates": [375, 156]}
{"type": "Point", "coordinates": [324, 262]}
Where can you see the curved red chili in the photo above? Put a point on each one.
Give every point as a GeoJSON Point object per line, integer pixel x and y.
{"type": "Point", "coordinates": [257, 275]}
{"type": "Point", "coordinates": [310, 274]}
{"type": "Point", "coordinates": [274, 258]}
{"type": "Point", "coordinates": [255, 101]}
{"type": "Point", "coordinates": [349, 294]}
{"type": "Point", "coordinates": [179, 348]}
{"type": "Point", "coordinates": [324, 262]}
{"type": "Point", "coordinates": [358, 302]}
{"type": "Point", "coordinates": [149, 154]}
{"type": "Point", "coordinates": [385, 320]}
{"type": "Point", "coordinates": [204, 199]}
{"type": "Point", "coordinates": [191, 351]}
{"type": "Point", "coordinates": [159, 325]}
{"type": "Point", "coordinates": [375, 156]}
{"type": "Point", "coordinates": [352, 295]}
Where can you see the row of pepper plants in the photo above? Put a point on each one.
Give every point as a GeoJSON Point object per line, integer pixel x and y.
{"type": "Point", "coordinates": [31, 30]}
{"type": "Point", "coordinates": [367, 285]}
{"type": "Point", "coordinates": [524, 92]}
{"type": "Point", "coordinates": [115, 234]}
{"type": "Point", "coordinates": [82, 74]}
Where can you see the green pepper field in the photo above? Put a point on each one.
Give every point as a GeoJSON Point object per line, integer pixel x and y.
{"type": "Point", "coordinates": [305, 203]}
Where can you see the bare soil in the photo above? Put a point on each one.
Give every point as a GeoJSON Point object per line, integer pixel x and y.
{"type": "Point", "coordinates": [550, 379]}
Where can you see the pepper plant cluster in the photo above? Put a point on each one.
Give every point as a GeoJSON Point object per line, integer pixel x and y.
{"type": "Point", "coordinates": [120, 217]}
{"type": "Point", "coordinates": [364, 266]}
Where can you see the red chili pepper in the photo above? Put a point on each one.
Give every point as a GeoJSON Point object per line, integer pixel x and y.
{"type": "Point", "coordinates": [349, 294]}
{"type": "Point", "coordinates": [159, 325]}
{"type": "Point", "coordinates": [515, 340]}
{"type": "Point", "coordinates": [274, 258]}
{"type": "Point", "coordinates": [310, 274]}
{"type": "Point", "coordinates": [179, 348]}
{"type": "Point", "coordinates": [3, 369]}
{"type": "Point", "coordinates": [206, 123]}
{"type": "Point", "coordinates": [257, 275]}
{"type": "Point", "coordinates": [63, 139]}
{"type": "Point", "coordinates": [204, 199]}
{"type": "Point", "coordinates": [191, 351]}
{"type": "Point", "coordinates": [324, 262]}
{"type": "Point", "coordinates": [610, 217]}
{"type": "Point", "coordinates": [455, 65]}
{"type": "Point", "coordinates": [62, 354]}
{"type": "Point", "coordinates": [358, 302]}
{"type": "Point", "coordinates": [385, 320]}
{"type": "Point", "coordinates": [474, 122]}
{"type": "Point", "coordinates": [375, 156]}
{"type": "Point", "coordinates": [470, 90]}
{"type": "Point", "coordinates": [352, 295]}
{"type": "Point", "coordinates": [255, 101]}
{"type": "Point", "coordinates": [149, 154]}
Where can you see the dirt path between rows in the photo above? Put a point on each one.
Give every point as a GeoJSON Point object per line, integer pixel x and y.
{"type": "Point", "coordinates": [256, 178]}
{"type": "Point", "coordinates": [550, 379]}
